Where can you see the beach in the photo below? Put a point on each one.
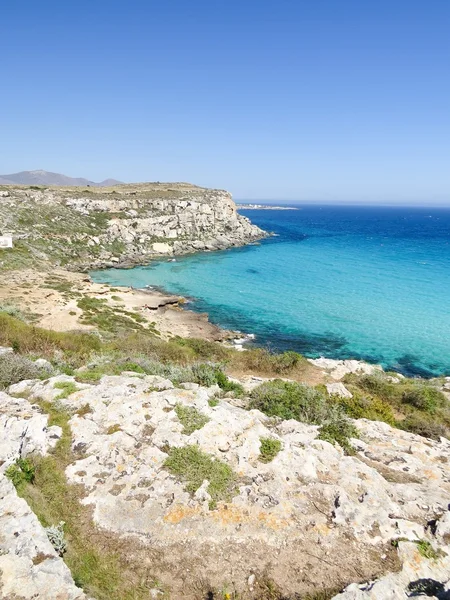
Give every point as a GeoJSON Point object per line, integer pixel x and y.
{"type": "Point", "coordinates": [51, 300]}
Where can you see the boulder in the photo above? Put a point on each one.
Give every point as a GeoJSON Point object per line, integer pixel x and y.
{"type": "Point", "coordinates": [338, 389]}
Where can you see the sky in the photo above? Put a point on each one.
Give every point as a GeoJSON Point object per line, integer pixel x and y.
{"type": "Point", "coordinates": [296, 100]}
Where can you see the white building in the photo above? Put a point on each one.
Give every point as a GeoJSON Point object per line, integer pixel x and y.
{"type": "Point", "coordinates": [6, 241]}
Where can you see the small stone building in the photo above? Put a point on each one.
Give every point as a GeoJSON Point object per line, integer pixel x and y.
{"type": "Point", "coordinates": [6, 241]}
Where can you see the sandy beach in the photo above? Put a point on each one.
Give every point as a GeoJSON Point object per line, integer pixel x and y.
{"type": "Point", "coordinates": [51, 298]}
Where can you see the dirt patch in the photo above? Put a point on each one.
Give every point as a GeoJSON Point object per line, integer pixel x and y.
{"type": "Point", "coordinates": [390, 475]}
{"type": "Point", "coordinates": [51, 300]}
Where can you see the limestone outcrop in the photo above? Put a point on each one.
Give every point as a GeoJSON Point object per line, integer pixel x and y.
{"type": "Point", "coordinates": [311, 517]}
{"type": "Point", "coordinates": [29, 565]}
{"type": "Point", "coordinates": [124, 225]}
{"type": "Point", "coordinates": [337, 369]}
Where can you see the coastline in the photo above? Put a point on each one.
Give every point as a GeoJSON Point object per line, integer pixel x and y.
{"type": "Point", "coordinates": [50, 300]}
{"type": "Point", "coordinates": [264, 207]}
{"type": "Point", "coordinates": [196, 324]}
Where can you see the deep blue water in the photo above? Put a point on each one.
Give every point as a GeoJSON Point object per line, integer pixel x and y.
{"type": "Point", "coordinates": [370, 283]}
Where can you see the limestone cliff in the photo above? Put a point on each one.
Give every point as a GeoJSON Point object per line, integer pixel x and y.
{"type": "Point", "coordinates": [127, 224]}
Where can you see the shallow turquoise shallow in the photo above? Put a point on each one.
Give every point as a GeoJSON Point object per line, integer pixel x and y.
{"type": "Point", "coordinates": [342, 282]}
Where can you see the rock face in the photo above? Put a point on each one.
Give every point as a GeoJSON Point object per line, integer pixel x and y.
{"type": "Point", "coordinates": [337, 369]}
{"type": "Point", "coordinates": [418, 578]}
{"type": "Point", "coordinates": [309, 518]}
{"type": "Point", "coordinates": [126, 225]}
{"type": "Point", "coordinates": [29, 566]}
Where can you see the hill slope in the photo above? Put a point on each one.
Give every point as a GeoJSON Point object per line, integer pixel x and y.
{"type": "Point", "coordinates": [41, 177]}
{"type": "Point", "coordinates": [126, 224]}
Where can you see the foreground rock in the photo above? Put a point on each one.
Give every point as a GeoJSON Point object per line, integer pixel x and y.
{"type": "Point", "coordinates": [337, 369]}
{"type": "Point", "coordinates": [419, 577]}
{"type": "Point", "coordinates": [310, 519]}
{"type": "Point", "coordinates": [29, 566]}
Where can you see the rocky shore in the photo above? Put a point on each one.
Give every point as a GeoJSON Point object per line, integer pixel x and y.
{"type": "Point", "coordinates": [58, 232]}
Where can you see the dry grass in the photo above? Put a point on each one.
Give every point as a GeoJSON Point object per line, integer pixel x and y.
{"type": "Point", "coordinates": [35, 340]}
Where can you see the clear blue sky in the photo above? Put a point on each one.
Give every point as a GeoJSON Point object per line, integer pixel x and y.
{"type": "Point", "coordinates": [329, 100]}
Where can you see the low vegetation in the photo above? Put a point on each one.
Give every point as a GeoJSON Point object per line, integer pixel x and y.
{"type": "Point", "coordinates": [290, 400]}
{"type": "Point", "coordinates": [414, 405]}
{"type": "Point", "coordinates": [191, 418]}
{"type": "Point", "coordinates": [27, 339]}
{"type": "Point", "coordinates": [21, 472]}
{"type": "Point", "coordinates": [192, 466]}
{"type": "Point", "coordinates": [112, 319]}
{"type": "Point", "coordinates": [66, 387]}
{"type": "Point", "coordinates": [426, 550]}
{"type": "Point", "coordinates": [15, 368]}
{"type": "Point", "coordinates": [410, 404]}
{"type": "Point", "coordinates": [365, 406]}
{"type": "Point", "coordinates": [12, 310]}
{"type": "Point", "coordinates": [269, 448]}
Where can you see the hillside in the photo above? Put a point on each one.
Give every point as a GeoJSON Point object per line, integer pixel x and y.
{"type": "Point", "coordinates": [41, 177]}
{"type": "Point", "coordinates": [127, 224]}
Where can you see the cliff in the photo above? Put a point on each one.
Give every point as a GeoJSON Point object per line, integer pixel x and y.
{"type": "Point", "coordinates": [127, 224]}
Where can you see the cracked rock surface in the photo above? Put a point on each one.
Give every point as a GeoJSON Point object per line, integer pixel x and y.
{"type": "Point", "coordinates": [310, 517]}
{"type": "Point", "coordinates": [29, 566]}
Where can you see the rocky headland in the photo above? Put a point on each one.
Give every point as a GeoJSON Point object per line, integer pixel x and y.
{"type": "Point", "coordinates": [125, 225]}
{"type": "Point", "coordinates": [265, 207]}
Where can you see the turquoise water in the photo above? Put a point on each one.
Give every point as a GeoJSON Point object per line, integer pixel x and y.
{"type": "Point", "coordinates": [370, 283]}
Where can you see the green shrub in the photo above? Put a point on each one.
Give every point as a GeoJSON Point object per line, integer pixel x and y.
{"type": "Point", "coordinates": [66, 387]}
{"type": "Point", "coordinates": [204, 374]}
{"type": "Point", "coordinates": [262, 361]}
{"type": "Point", "coordinates": [89, 376]}
{"type": "Point", "coordinates": [131, 366]}
{"type": "Point", "coordinates": [12, 311]}
{"type": "Point", "coordinates": [228, 386]}
{"type": "Point", "coordinates": [424, 397]}
{"type": "Point", "coordinates": [426, 550]}
{"type": "Point", "coordinates": [364, 406]}
{"type": "Point", "coordinates": [202, 349]}
{"type": "Point", "coordinates": [423, 424]}
{"type": "Point", "coordinates": [15, 368]}
{"type": "Point", "coordinates": [191, 418]}
{"type": "Point", "coordinates": [290, 400]}
{"type": "Point", "coordinates": [269, 448]}
{"type": "Point", "coordinates": [22, 471]}
{"type": "Point", "coordinates": [339, 431]}
{"type": "Point", "coordinates": [193, 466]}
{"type": "Point", "coordinates": [286, 361]}
{"type": "Point", "coordinates": [376, 385]}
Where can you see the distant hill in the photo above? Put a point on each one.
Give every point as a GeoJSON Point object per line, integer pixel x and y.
{"type": "Point", "coordinates": [48, 178]}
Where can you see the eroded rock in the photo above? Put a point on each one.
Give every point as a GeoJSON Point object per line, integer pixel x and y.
{"type": "Point", "coordinates": [311, 506]}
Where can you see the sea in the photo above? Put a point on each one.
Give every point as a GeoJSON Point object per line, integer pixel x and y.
{"type": "Point", "coordinates": [363, 282]}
